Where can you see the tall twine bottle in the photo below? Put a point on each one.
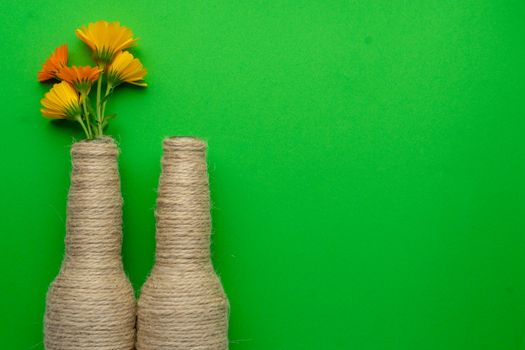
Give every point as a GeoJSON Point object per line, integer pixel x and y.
{"type": "Point", "coordinates": [182, 304]}
{"type": "Point", "coordinates": [91, 303]}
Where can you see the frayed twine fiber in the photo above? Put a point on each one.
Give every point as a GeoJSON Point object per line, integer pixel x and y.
{"type": "Point", "coordinates": [91, 303]}
{"type": "Point", "coordinates": [182, 304]}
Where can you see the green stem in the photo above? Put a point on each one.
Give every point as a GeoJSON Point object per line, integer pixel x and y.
{"type": "Point", "coordinates": [86, 115]}
{"type": "Point", "coordinates": [109, 87]}
{"type": "Point", "coordinates": [99, 115]}
{"type": "Point", "coordinates": [79, 119]}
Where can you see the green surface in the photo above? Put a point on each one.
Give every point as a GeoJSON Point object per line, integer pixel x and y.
{"type": "Point", "coordinates": [366, 159]}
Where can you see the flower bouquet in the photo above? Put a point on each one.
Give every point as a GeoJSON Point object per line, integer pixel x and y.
{"type": "Point", "coordinates": [69, 99]}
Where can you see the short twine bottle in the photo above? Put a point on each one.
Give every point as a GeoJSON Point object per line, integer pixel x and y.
{"type": "Point", "coordinates": [91, 303]}
{"type": "Point", "coordinates": [182, 304]}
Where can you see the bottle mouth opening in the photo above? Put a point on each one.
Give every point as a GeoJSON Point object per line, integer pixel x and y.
{"type": "Point", "coordinates": [99, 140]}
{"type": "Point", "coordinates": [184, 143]}
{"type": "Point", "coordinates": [102, 146]}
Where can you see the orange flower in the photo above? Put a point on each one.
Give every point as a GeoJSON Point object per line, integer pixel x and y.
{"type": "Point", "coordinates": [126, 69]}
{"type": "Point", "coordinates": [52, 66]}
{"type": "Point", "coordinates": [80, 77]}
{"type": "Point", "coordinates": [61, 102]}
{"type": "Point", "coordinates": [106, 39]}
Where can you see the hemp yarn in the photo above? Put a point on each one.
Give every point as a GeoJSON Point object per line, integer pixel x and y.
{"type": "Point", "coordinates": [182, 304]}
{"type": "Point", "coordinates": [91, 304]}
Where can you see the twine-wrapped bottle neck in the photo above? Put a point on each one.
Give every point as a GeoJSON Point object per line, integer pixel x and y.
{"type": "Point", "coordinates": [94, 212]}
{"type": "Point", "coordinates": [183, 203]}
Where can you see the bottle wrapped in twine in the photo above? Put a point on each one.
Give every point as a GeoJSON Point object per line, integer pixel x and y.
{"type": "Point", "coordinates": [182, 304]}
{"type": "Point", "coordinates": [91, 303]}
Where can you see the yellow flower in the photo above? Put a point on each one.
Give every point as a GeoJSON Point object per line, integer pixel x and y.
{"type": "Point", "coordinates": [106, 39]}
{"type": "Point", "coordinates": [80, 77]}
{"type": "Point", "coordinates": [61, 102]}
{"type": "Point", "coordinates": [52, 66]}
{"type": "Point", "coordinates": [126, 69]}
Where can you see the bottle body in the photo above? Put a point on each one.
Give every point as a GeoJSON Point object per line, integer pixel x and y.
{"type": "Point", "coordinates": [91, 304]}
{"type": "Point", "coordinates": [183, 304]}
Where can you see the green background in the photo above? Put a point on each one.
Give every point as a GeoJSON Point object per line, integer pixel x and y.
{"type": "Point", "coordinates": [366, 159]}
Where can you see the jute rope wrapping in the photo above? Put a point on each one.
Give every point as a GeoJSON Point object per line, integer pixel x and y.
{"type": "Point", "coordinates": [91, 303]}
{"type": "Point", "coordinates": [182, 304]}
